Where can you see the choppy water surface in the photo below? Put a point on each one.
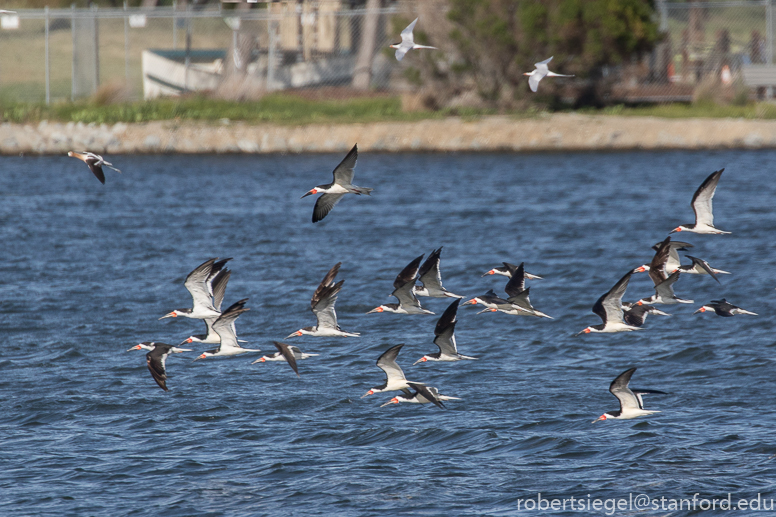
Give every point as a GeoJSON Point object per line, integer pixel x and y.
{"type": "Point", "coordinates": [87, 271]}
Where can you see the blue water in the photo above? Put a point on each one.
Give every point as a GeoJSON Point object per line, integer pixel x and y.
{"type": "Point", "coordinates": [87, 270]}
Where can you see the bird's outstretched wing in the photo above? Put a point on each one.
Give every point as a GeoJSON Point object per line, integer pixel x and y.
{"type": "Point", "coordinates": [387, 363]}
{"type": "Point", "coordinates": [406, 34]}
{"type": "Point", "coordinates": [704, 266]}
{"type": "Point", "coordinates": [701, 200]}
{"type": "Point", "coordinates": [619, 388]}
{"type": "Point", "coordinates": [343, 173]}
{"type": "Point", "coordinates": [324, 205]}
{"type": "Point", "coordinates": [543, 64]}
{"type": "Point", "coordinates": [286, 351]}
{"type": "Point", "coordinates": [609, 306]}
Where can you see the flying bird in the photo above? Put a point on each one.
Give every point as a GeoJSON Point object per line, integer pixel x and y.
{"type": "Point", "coordinates": [518, 303]}
{"type": "Point", "coordinates": [404, 291]}
{"type": "Point", "coordinates": [290, 354]}
{"type": "Point", "coordinates": [674, 261]}
{"type": "Point", "coordinates": [635, 314]}
{"type": "Point", "coordinates": [664, 290]}
{"type": "Point", "coordinates": [701, 267]}
{"type": "Point", "coordinates": [724, 308]}
{"type": "Point", "coordinates": [342, 184]}
{"type": "Point", "coordinates": [199, 283]}
{"type": "Point", "coordinates": [696, 267]}
{"type": "Point", "coordinates": [491, 302]}
{"type": "Point", "coordinates": [156, 359]}
{"type": "Point", "coordinates": [94, 162]}
{"type": "Point", "coordinates": [702, 206]}
{"type": "Point", "coordinates": [431, 278]}
{"type": "Point", "coordinates": [445, 337]}
{"type": "Point", "coordinates": [506, 270]}
{"type": "Point", "coordinates": [218, 285]}
{"type": "Point", "coordinates": [518, 294]}
{"type": "Point", "coordinates": [394, 376]}
{"type": "Point", "coordinates": [407, 42]}
{"type": "Point", "coordinates": [322, 305]}
{"type": "Point", "coordinates": [631, 403]}
{"type": "Point", "coordinates": [224, 327]}
{"type": "Point", "coordinates": [540, 73]}
{"type": "Point", "coordinates": [609, 308]}
{"type": "Point", "coordinates": [423, 395]}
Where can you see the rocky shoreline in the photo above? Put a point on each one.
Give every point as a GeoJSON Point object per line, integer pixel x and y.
{"type": "Point", "coordinates": [558, 132]}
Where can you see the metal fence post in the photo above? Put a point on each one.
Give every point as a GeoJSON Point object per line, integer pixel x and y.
{"type": "Point", "coordinates": [769, 40]}
{"type": "Point", "coordinates": [663, 15]}
{"type": "Point", "coordinates": [126, 44]}
{"type": "Point", "coordinates": [96, 49]}
{"type": "Point", "coordinates": [75, 54]}
{"type": "Point", "coordinates": [48, 71]}
{"type": "Point", "coordinates": [188, 49]}
{"type": "Point", "coordinates": [271, 55]}
{"type": "Point", "coordinates": [174, 24]}
{"type": "Point", "coordinates": [769, 31]}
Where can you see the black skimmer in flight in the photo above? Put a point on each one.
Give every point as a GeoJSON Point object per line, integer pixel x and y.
{"type": "Point", "coordinates": [490, 301]}
{"type": "Point", "coordinates": [95, 163]}
{"type": "Point", "coordinates": [156, 359]}
{"type": "Point", "coordinates": [664, 290]}
{"type": "Point", "coordinates": [673, 263]}
{"type": "Point", "coordinates": [540, 73]}
{"type": "Point", "coordinates": [431, 279]}
{"type": "Point", "coordinates": [506, 270]}
{"type": "Point", "coordinates": [407, 42]}
{"type": "Point", "coordinates": [657, 268]}
{"type": "Point", "coordinates": [518, 303]}
{"type": "Point", "coordinates": [635, 314]}
{"type": "Point", "coordinates": [290, 354]}
{"type": "Point", "coordinates": [224, 327]}
{"type": "Point", "coordinates": [701, 267]}
{"type": "Point", "coordinates": [394, 376]}
{"type": "Point", "coordinates": [445, 338]}
{"type": "Point", "coordinates": [199, 283]}
{"type": "Point", "coordinates": [724, 308]}
{"type": "Point", "coordinates": [404, 291]}
{"type": "Point", "coordinates": [219, 288]}
{"type": "Point", "coordinates": [322, 305]}
{"type": "Point", "coordinates": [631, 403]}
{"type": "Point", "coordinates": [518, 295]}
{"type": "Point", "coordinates": [609, 308]}
{"type": "Point", "coordinates": [423, 395]}
{"type": "Point", "coordinates": [342, 184]}
{"type": "Point", "coordinates": [701, 204]}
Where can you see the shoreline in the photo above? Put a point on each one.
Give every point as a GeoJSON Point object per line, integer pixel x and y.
{"type": "Point", "coordinates": [557, 132]}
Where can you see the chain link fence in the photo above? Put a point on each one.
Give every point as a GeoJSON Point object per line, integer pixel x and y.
{"type": "Point", "coordinates": [708, 51]}
{"type": "Point", "coordinates": [65, 54]}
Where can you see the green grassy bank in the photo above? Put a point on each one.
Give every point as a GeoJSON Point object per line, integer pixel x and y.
{"type": "Point", "coordinates": [291, 109]}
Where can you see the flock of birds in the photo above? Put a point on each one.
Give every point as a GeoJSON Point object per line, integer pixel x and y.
{"type": "Point", "coordinates": [207, 285]}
